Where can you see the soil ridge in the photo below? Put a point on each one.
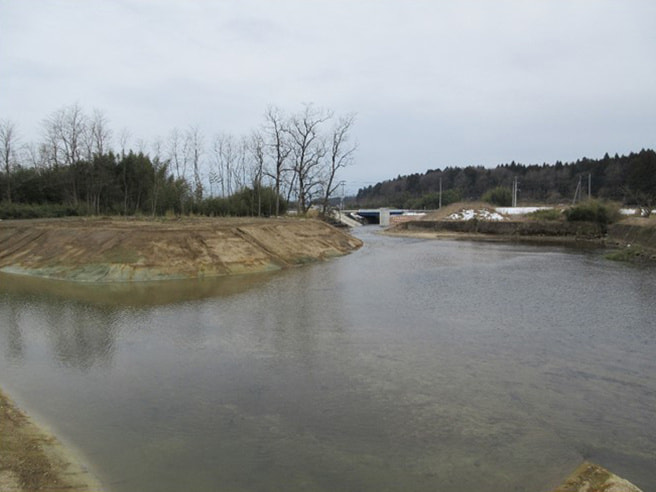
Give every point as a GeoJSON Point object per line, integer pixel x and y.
{"type": "Point", "coordinates": [123, 250]}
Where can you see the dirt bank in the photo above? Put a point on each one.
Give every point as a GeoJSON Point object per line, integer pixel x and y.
{"type": "Point", "coordinates": [118, 250]}
{"type": "Point", "coordinates": [31, 459]}
{"type": "Point", "coordinates": [637, 234]}
{"type": "Point", "coordinates": [593, 478]}
{"type": "Point", "coordinates": [552, 232]}
{"type": "Point", "coordinates": [631, 232]}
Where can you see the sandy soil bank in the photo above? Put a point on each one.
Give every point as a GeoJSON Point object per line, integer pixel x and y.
{"type": "Point", "coordinates": [32, 459]}
{"type": "Point", "coordinates": [119, 250]}
{"type": "Point", "coordinates": [636, 233]}
{"type": "Point", "coordinates": [593, 478]}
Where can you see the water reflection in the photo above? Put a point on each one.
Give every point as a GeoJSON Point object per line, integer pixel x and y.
{"type": "Point", "coordinates": [81, 336]}
{"type": "Point", "coordinates": [10, 318]}
{"type": "Point", "coordinates": [138, 294]}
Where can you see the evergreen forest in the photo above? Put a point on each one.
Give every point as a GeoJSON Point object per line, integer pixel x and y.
{"type": "Point", "coordinates": [628, 179]}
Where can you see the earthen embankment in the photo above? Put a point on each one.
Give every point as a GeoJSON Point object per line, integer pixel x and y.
{"type": "Point", "coordinates": [119, 250]}
{"type": "Point", "coordinates": [507, 230]}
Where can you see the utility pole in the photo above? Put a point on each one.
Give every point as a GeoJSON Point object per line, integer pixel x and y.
{"type": "Point", "coordinates": [341, 202]}
{"type": "Point", "coordinates": [577, 193]}
{"type": "Point", "coordinates": [515, 188]}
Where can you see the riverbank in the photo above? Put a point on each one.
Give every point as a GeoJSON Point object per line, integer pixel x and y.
{"type": "Point", "coordinates": [32, 459]}
{"type": "Point", "coordinates": [125, 250]}
{"type": "Point", "coordinates": [593, 478]}
{"type": "Point", "coordinates": [636, 235]}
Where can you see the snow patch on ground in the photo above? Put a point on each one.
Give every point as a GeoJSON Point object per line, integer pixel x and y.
{"type": "Point", "coordinates": [632, 211]}
{"type": "Point", "coordinates": [481, 214]}
{"type": "Point", "coordinates": [519, 210]}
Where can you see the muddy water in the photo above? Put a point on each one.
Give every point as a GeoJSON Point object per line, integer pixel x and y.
{"type": "Point", "coordinates": [408, 365]}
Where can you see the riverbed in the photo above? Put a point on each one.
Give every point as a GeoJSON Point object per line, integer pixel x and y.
{"type": "Point", "coordinates": [408, 365]}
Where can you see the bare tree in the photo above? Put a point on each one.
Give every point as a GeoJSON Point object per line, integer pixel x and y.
{"type": "Point", "coordinates": [193, 152]}
{"type": "Point", "coordinates": [242, 168]}
{"type": "Point", "coordinates": [174, 152]}
{"type": "Point", "coordinates": [226, 159]}
{"type": "Point", "coordinates": [214, 175]}
{"type": "Point", "coordinates": [64, 132]}
{"type": "Point", "coordinates": [309, 148]}
{"type": "Point", "coordinates": [37, 154]}
{"type": "Point", "coordinates": [124, 141]}
{"type": "Point", "coordinates": [8, 147]}
{"type": "Point", "coordinates": [160, 168]}
{"type": "Point", "coordinates": [256, 150]}
{"type": "Point", "coordinates": [65, 129]}
{"type": "Point", "coordinates": [97, 135]}
{"type": "Point", "coordinates": [341, 154]}
{"type": "Point", "coordinates": [279, 149]}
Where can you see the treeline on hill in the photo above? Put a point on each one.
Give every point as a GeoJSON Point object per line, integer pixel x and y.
{"type": "Point", "coordinates": [288, 159]}
{"type": "Point", "coordinates": [629, 179]}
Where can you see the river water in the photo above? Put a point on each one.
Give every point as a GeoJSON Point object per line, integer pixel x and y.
{"type": "Point", "coordinates": [411, 365]}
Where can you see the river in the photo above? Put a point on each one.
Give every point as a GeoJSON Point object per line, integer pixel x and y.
{"type": "Point", "coordinates": [414, 365]}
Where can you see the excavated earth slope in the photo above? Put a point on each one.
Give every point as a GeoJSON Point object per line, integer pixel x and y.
{"type": "Point", "coordinates": [118, 250]}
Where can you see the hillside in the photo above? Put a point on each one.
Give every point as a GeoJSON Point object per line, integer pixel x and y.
{"type": "Point", "coordinates": [629, 179]}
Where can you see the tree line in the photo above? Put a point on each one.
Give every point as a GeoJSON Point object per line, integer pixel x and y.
{"type": "Point", "coordinates": [79, 166]}
{"type": "Point", "coordinates": [628, 179]}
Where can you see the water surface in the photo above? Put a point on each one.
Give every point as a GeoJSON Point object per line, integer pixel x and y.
{"type": "Point", "coordinates": [408, 365]}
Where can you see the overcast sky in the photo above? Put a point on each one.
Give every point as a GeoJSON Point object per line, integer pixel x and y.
{"type": "Point", "coordinates": [433, 83]}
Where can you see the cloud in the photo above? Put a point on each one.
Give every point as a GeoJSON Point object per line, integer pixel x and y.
{"type": "Point", "coordinates": [433, 83]}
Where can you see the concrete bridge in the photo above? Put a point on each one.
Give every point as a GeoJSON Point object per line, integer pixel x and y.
{"type": "Point", "coordinates": [381, 216]}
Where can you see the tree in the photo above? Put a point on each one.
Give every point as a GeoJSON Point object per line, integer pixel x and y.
{"type": "Point", "coordinates": [160, 171]}
{"type": "Point", "coordinates": [279, 148]}
{"type": "Point", "coordinates": [65, 130]}
{"type": "Point", "coordinates": [193, 153]}
{"type": "Point", "coordinates": [341, 154]}
{"type": "Point", "coordinates": [176, 156]}
{"type": "Point", "coordinates": [256, 150]}
{"type": "Point", "coordinates": [308, 148]}
{"type": "Point", "coordinates": [500, 196]}
{"type": "Point", "coordinates": [641, 180]}
{"type": "Point", "coordinates": [97, 135]}
{"type": "Point", "coordinates": [8, 144]}
{"type": "Point", "coordinates": [225, 161]}
{"type": "Point", "coordinates": [175, 153]}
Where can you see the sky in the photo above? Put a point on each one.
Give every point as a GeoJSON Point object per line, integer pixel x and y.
{"type": "Point", "coordinates": [432, 83]}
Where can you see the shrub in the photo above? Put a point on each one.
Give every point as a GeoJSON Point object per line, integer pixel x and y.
{"type": "Point", "coordinates": [631, 253]}
{"type": "Point", "coordinates": [499, 196]}
{"type": "Point", "coordinates": [593, 211]}
{"type": "Point", "coordinates": [12, 210]}
{"type": "Point", "coordinates": [246, 202]}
